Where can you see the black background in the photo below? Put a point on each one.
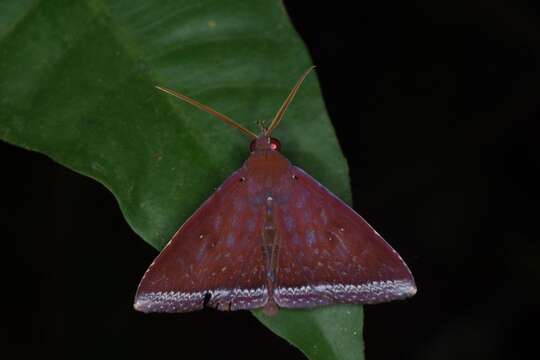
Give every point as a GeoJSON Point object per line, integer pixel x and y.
{"type": "Point", "coordinates": [435, 104]}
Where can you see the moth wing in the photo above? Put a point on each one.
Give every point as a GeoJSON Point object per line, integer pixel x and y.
{"type": "Point", "coordinates": [212, 259]}
{"type": "Point", "coordinates": [330, 254]}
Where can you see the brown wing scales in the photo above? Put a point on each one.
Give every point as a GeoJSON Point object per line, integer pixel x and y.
{"type": "Point", "coordinates": [212, 260]}
{"type": "Point", "coordinates": [330, 254]}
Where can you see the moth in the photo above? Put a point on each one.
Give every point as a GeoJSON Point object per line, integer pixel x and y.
{"type": "Point", "coordinates": [271, 237]}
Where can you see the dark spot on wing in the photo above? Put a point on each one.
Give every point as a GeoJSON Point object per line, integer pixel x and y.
{"type": "Point", "coordinates": [206, 299]}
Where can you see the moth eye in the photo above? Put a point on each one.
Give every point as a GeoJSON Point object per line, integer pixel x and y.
{"type": "Point", "coordinates": [252, 146]}
{"type": "Point", "coordinates": [242, 179]}
{"type": "Point", "coordinates": [295, 177]}
{"type": "Point", "coordinates": [275, 144]}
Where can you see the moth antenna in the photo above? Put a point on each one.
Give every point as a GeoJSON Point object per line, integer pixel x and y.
{"type": "Point", "coordinates": [279, 115]}
{"type": "Point", "coordinates": [209, 110]}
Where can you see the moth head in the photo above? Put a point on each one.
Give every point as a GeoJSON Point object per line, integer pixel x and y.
{"type": "Point", "coordinates": [265, 142]}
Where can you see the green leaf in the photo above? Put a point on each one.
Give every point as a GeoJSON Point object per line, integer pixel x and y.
{"type": "Point", "coordinates": [332, 332]}
{"type": "Point", "coordinates": [77, 83]}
